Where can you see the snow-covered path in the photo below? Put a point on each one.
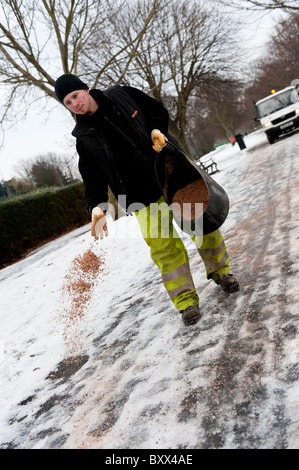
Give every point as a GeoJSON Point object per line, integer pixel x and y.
{"type": "Point", "coordinates": [130, 375]}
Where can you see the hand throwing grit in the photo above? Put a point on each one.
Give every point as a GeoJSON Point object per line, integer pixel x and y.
{"type": "Point", "coordinates": [77, 291]}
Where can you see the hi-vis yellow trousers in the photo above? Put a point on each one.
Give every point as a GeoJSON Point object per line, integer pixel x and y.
{"type": "Point", "coordinates": [169, 253]}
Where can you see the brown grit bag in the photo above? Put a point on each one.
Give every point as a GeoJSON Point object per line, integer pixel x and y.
{"type": "Point", "coordinates": [198, 203]}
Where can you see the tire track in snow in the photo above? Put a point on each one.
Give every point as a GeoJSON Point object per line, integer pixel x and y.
{"type": "Point", "coordinates": [238, 396]}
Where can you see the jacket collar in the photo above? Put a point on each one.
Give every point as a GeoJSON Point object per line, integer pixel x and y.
{"type": "Point", "coordinates": [82, 129]}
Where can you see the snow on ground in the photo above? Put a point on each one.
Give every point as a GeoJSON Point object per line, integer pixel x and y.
{"type": "Point", "coordinates": [127, 374]}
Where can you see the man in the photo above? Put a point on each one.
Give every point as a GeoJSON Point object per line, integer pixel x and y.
{"type": "Point", "coordinates": [119, 132]}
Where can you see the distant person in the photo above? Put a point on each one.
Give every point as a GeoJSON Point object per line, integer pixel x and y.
{"type": "Point", "coordinates": [119, 132]}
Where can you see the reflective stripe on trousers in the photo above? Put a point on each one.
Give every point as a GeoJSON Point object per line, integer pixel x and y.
{"type": "Point", "coordinates": [213, 252]}
{"type": "Point", "coordinates": [169, 253]}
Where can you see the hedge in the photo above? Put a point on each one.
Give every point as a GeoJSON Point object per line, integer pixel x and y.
{"type": "Point", "coordinates": [28, 221]}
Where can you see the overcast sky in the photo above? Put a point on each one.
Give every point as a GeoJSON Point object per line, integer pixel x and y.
{"type": "Point", "coordinates": [50, 132]}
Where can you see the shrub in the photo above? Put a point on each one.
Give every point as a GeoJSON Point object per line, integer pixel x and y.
{"type": "Point", "coordinates": [30, 220]}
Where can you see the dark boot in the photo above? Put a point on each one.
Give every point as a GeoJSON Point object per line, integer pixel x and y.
{"type": "Point", "coordinates": [228, 282]}
{"type": "Point", "coordinates": [191, 315]}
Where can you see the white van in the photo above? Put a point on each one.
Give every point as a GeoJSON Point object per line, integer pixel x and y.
{"type": "Point", "coordinates": [279, 112]}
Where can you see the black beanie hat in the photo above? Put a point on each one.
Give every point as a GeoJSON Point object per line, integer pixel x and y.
{"type": "Point", "coordinates": [68, 83]}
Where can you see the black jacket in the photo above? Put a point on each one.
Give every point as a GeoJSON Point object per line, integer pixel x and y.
{"type": "Point", "coordinates": [115, 147]}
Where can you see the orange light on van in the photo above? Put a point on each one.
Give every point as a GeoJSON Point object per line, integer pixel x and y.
{"type": "Point", "coordinates": [272, 91]}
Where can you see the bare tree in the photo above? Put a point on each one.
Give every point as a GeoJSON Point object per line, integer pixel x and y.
{"type": "Point", "coordinates": [284, 5]}
{"type": "Point", "coordinates": [216, 114]}
{"type": "Point", "coordinates": [109, 60]}
{"type": "Point", "coordinates": [46, 170]}
{"type": "Point", "coordinates": [19, 185]}
{"type": "Point", "coordinates": [282, 52]}
{"type": "Point", "coordinates": [279, 66]}
{"type": "Point", "coordinates": [187, 46]}
{"type": "Point", "coordinates": [39, 40]}
{"type": "Point", "coordinates": [167, 47]}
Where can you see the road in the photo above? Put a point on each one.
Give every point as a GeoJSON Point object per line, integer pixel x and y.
{"type": "Point", "coordinates": [232, 380]}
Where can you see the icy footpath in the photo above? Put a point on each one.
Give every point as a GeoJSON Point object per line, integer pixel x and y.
{"type": "Point", "coordinates": [34, 313]}
{"type": "Point", "coordinates": [126, 373]}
